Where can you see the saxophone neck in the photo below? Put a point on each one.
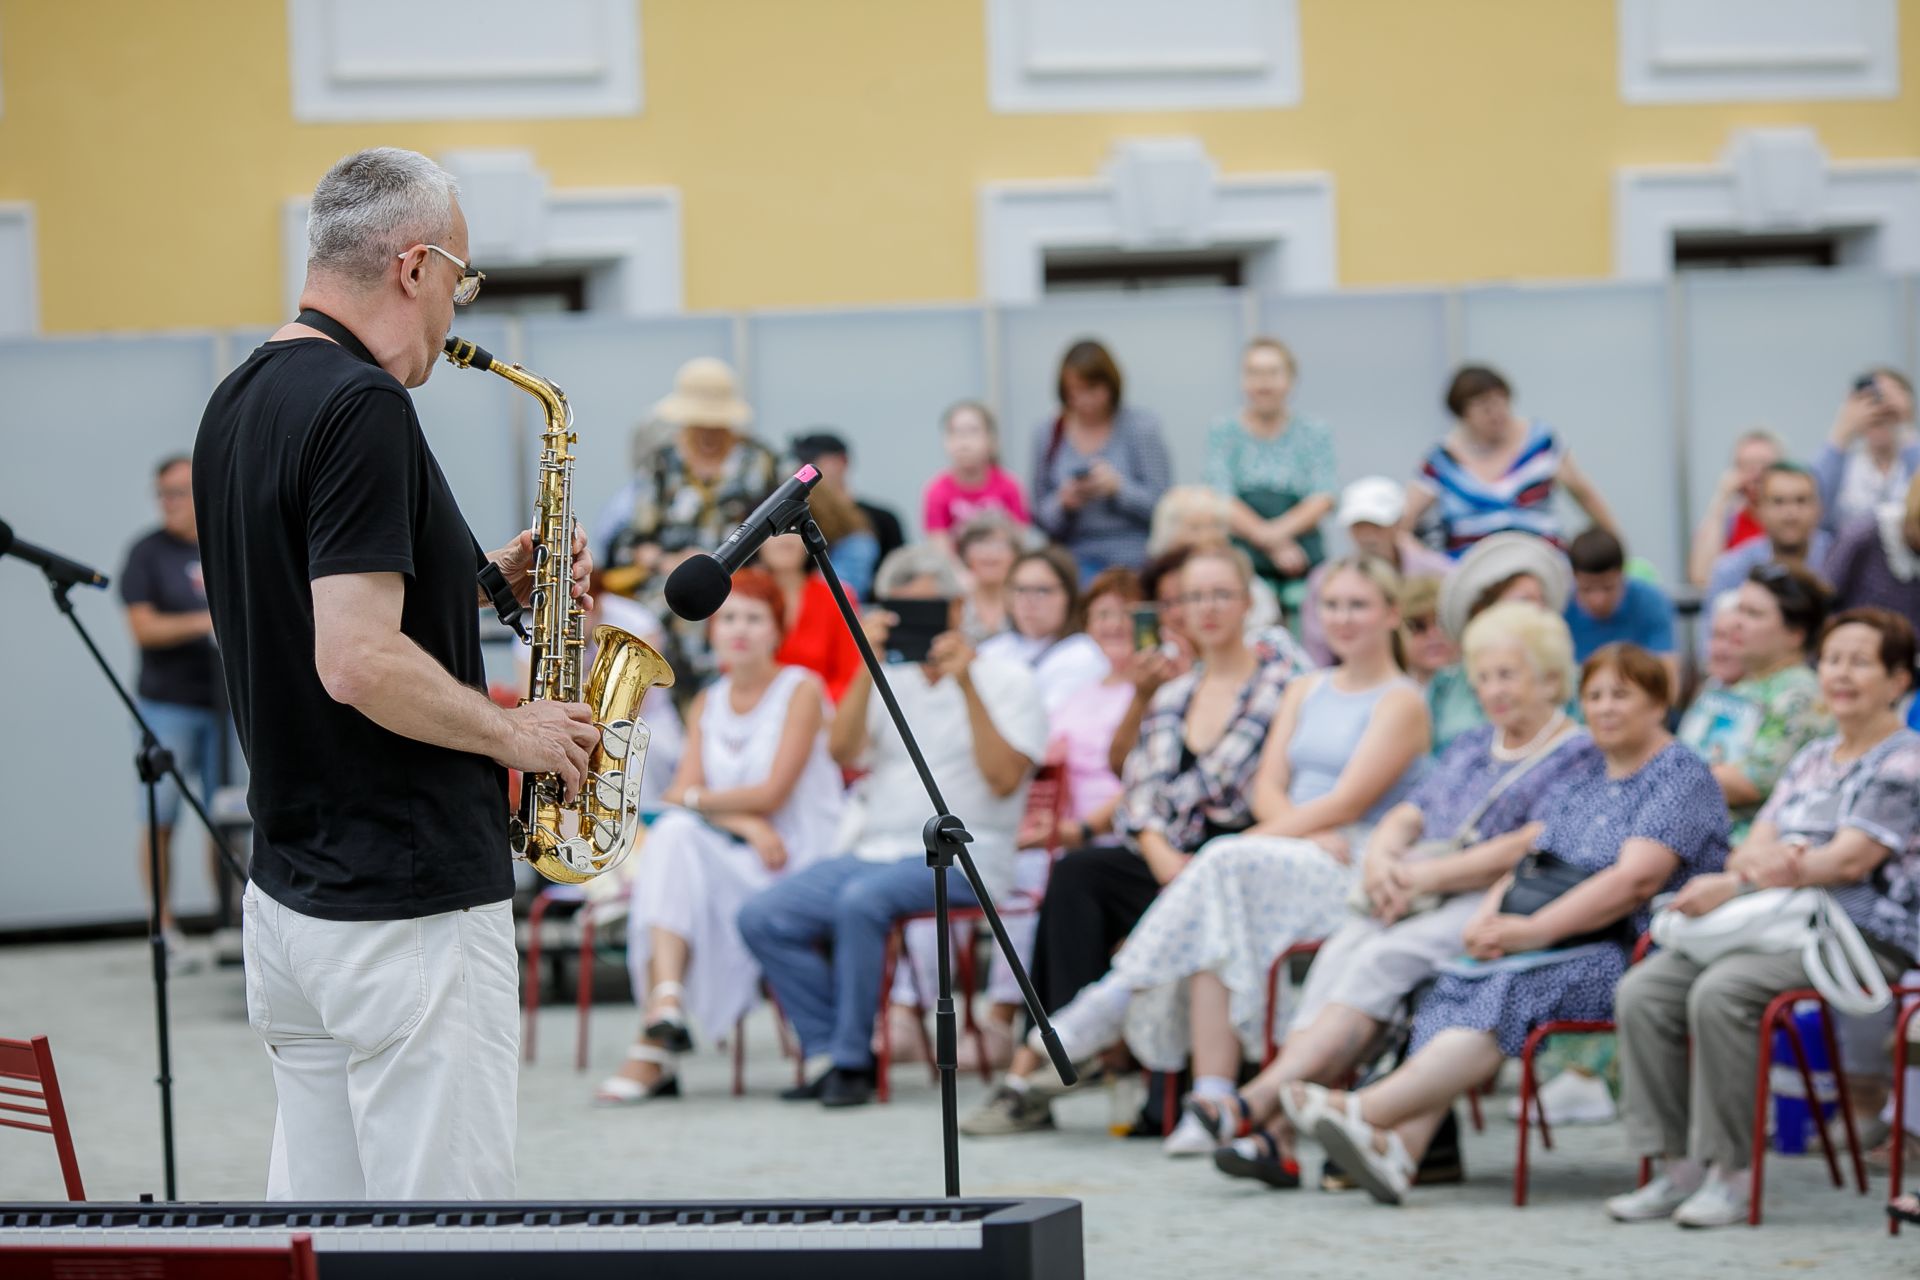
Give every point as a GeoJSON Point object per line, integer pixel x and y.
{"type": "Point", "coordinates": [553, 401]}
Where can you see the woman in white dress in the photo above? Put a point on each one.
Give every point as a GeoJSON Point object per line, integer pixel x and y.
{"type": "Point", "coordinates": [758, 796]}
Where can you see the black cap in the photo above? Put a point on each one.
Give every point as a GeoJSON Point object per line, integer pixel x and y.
{"type": "Point", "coordinates": [815, 444]}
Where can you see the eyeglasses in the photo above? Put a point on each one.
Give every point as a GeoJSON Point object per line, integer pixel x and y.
{"type": "Point", "coordinates": [174, 492]}
{"type": "Point", "coordinates": [1420, 626]}
{"type": "Point", "coordinates": [1221, 597]}
{"type": "Point", "coordinates": [1038, 593]}
{"type": "Point", "coordinates": [471, 278]}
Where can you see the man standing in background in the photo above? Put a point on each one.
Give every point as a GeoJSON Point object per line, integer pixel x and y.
{"type": "Point", "coordinates": [166, 599]}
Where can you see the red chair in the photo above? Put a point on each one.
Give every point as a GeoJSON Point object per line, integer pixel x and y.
{"type": "Point", "coordinates": [1048, 794]}
{"type": "Point", "coordinates": [562, 896]}
{"type": "Point", "coordinates": [161, 1261]}
{"type": "Point", "coordinates": [31, 1063]}
{"type": "Point", "coordinates": [1901, 1028]}
{"type": "Point", "coordinates": [1279, 966]}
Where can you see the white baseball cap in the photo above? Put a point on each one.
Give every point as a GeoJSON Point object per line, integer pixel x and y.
{"type": "Point", "coordinates": [1372, 500]}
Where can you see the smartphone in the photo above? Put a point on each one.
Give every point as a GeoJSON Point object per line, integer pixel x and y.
{"type": "Point", "coordinates": [1146, 627]}
{"type": "Point", "coordinates": [1082, 471]}
{"type": "Point", "coordinates": [911, 639]}
{"type": "Point", "coordinates": [1868, 385]}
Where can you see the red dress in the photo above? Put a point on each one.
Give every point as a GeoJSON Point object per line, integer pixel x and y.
{"type": "Point", "coordinates": [817, 638]}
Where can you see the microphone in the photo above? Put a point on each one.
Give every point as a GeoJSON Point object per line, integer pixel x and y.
{"type": "Point", "coordinates": [701, 584]}
{"type": "Point", "coordinates": [58, 568]}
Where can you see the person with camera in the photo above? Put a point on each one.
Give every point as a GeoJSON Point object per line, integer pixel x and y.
{"type": "Point", "coordinates": [1870, 454]}
{"type": "Point", "coordinates": [982, 728]}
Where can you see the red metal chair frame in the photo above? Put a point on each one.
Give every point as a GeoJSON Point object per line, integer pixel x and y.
{"type": "Point", "coordinates": [1897, 1166]}
{"type": "Point", "coordinates": [31, 1063]}
{"type": "Point", "coordinates": [1048, 792]}
{"type": "Point", "coordinates": [161, 1261]}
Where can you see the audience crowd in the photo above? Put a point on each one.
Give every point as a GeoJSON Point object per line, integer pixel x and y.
{"type": "Point", "coordinates": [1465, 754]}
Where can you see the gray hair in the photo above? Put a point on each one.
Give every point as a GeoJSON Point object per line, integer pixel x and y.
{"type": "Point", "coordinates": [922, 561]}
{"type": "Point", "coordinates": [373, 206]}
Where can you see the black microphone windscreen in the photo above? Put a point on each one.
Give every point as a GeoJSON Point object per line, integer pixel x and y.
{"type": "Point", "coordinates": [6, 537]}
{"type": "Point", "coordinates": [697, 588]}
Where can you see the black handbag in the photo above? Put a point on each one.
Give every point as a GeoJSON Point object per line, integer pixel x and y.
{"type": "Point", "coordinates": [1539, 879]}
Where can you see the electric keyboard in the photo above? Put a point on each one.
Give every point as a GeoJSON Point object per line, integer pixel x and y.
{"type": "Point", "coordinates": [1037, 1239]}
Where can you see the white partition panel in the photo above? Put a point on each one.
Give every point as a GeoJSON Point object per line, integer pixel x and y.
{"type": "Point", "coordinates": [82, 424]}
{"type": "Point", "coordinates": [1780, 350]}
{"type": "Point", "coordinates": [878, 378]}
{"type": "Point", "coordinates": [1592, 362]}
{"type": "Point", "coordinates": [1179, 357]}
{"type": "Point", "coordinates": [613, 371]}
{"type": "Point", "coordinates": [1372, 367]}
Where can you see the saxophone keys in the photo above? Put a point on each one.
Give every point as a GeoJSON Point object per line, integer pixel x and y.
{"type": "Point", "coordinates": [606, 834]}
{"type": "Point", "coordinates": [609, 789]}
{"type": "Point", "coordinates": [616, 739]}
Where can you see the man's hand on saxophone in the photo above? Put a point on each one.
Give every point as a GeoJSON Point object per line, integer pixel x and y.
{"type": "Point", "coordinates": [516, 563]}
{"type": "Point", "coordinates": [549, 737]}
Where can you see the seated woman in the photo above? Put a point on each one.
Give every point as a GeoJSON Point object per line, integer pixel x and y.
{"type": "Point", "coordinates": [816, 635]}
{"type": "Point", "coordinates": [1427, 866]}
{"type": "Point", "coordinates": [1189, 779]}
{"type": "Point", "coordinates": [1340, 753]}
{"type": "Point", "coordinates": [1844, 817]}
{"type": "Point", "coordinates": [1044, 590]}
{"type": "Point", "coordinates": [759, 796]}
{"type": "Point", "coordinates": [1747, 732]}
{"type": "Point", "coordinates": [1649, 821]}
{"type": "Point", "coordinates": [1501, 568]}
{"type": "Point", "coordinates": [1425, 644]}
{"type": "Point", "coordinates": [986, 547]}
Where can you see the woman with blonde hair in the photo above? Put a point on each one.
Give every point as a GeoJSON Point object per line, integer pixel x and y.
{"type": "Point", "coordinates": [1426, 865]}
{"type": "Point", "coordinates": [1193, 515]}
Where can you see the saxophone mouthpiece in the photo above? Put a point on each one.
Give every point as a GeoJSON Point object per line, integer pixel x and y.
{"type": "Point", "coordinates": [468, 355]}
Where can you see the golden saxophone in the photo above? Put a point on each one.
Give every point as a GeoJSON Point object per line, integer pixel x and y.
{"type": "Point", "coordinates": [607, 810]}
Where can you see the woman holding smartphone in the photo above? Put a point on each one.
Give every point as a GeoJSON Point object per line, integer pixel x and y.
{"type": "Point", "coordinates": [1099, 465]}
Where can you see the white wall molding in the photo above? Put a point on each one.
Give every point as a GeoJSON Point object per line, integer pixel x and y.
{"type": "Point", "coordinates": [1099, 55]}
{"type": "Point", "coordinates": [1768, 180]}
{"type": "Point", "coordinates": [627, 238]}
{"type": "Point", "coordinates": [381, 60]}
{"type": "Point", "coordinates": [19, 271]}
{"type": "Point", "coordinates": [1156, 195]}
{"type": "Point", "coordinates": [1740, 50]}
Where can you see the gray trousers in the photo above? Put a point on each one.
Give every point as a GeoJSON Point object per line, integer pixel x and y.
{"type": "Point", "coordinates": [1703, 1111]}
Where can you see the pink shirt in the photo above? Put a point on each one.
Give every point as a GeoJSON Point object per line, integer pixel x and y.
{"type": "Point", "coordinates": [1083, 730]}
{"type": "Point", "coordinates": [947, 503]}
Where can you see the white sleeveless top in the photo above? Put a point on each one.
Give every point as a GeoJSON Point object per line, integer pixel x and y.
{"type": "Point", "coordinates": [737, 750]}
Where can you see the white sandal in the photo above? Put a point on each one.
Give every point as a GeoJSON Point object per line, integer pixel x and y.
{"type": "Point", "coordinates": [1306, 1113]}
{"type": "Point", "coordinates": [624, 1091]}
{"type": "Point", "coordinates": [1387, 1175]}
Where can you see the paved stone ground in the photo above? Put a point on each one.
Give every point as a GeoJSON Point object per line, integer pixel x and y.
{"type": "Point", "coordinates": [1145, 1215]}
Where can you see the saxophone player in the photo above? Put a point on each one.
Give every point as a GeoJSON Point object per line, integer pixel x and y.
{"type": "Point", "coordinates": [381, 969]}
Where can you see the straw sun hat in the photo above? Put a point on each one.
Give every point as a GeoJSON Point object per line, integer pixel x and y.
{"type": "Point", "coordinates": [705, 394]}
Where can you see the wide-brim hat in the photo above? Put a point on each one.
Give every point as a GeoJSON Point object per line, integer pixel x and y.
{"type": "Point", "coordinates": [1493, 560]}
{"type": "Point", "coordinates": [705, 394]}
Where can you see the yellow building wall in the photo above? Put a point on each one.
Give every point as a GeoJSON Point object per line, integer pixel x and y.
{"type": "Point", "coordinates": [829, 152]}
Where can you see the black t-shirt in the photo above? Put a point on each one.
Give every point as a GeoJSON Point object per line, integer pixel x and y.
{"type": "Point", "coordinates": [311, 462]}
{"type": "Point", "coordinates": [164, 571]}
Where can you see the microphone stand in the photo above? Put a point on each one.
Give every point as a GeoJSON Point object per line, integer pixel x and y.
{"type": "Point", "coordinates": [945, 838]}
{"type": "Point", "coordinates": [153, 762]}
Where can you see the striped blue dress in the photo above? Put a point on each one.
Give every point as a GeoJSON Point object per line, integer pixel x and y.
{"type": "Point", "coordinates": [1521, 499]}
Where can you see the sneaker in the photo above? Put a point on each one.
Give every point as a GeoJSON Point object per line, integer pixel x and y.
{"type": "Point", "coordinates": [847, 1087]}
{"type": "Point", "coordinates": [807, 1091]}
{"type": "Point", "coordinates": [182, 956]}
{"type": "Point", "coordinates": [1658, 1199]}
{"type": "Point", "coordinates": [1572, 1097]}
{"type": "Point", "coordinates": [1192, 1137]}
{"type": "Point", "coordinates": [1721, 1201]}
{"type": "Point", "coordinates": [1007, 1111]}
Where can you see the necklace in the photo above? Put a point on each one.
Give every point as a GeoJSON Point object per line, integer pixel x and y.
{"type": "Point", "coordinates": [1527, 748]}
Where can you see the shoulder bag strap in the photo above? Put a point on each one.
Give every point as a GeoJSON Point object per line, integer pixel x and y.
{"type": "Point", "coordinates": [1468, 831]}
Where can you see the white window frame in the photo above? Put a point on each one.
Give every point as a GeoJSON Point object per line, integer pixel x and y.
{"type": "Point", "coordinates": [1861, 60]}
{"type": "Point", "coordinates": [19, 271]}
{"type": "Point", "coordinates": [601, 80]}
{"type": "Point", "coordinates": [1260, 73]}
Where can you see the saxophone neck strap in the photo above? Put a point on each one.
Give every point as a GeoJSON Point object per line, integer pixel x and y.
{"type": "Point", "coordinates": [324, 323]}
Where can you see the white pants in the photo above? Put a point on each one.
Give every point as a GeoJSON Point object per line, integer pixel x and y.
{"type": "Point", "coordinates": [395, 1049]}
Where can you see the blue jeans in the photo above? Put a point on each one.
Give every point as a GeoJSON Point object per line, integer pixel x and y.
{"type": "Point", "coordinates": [851, 904]}
{"type": "Point", "coordinates": [195, 736]}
